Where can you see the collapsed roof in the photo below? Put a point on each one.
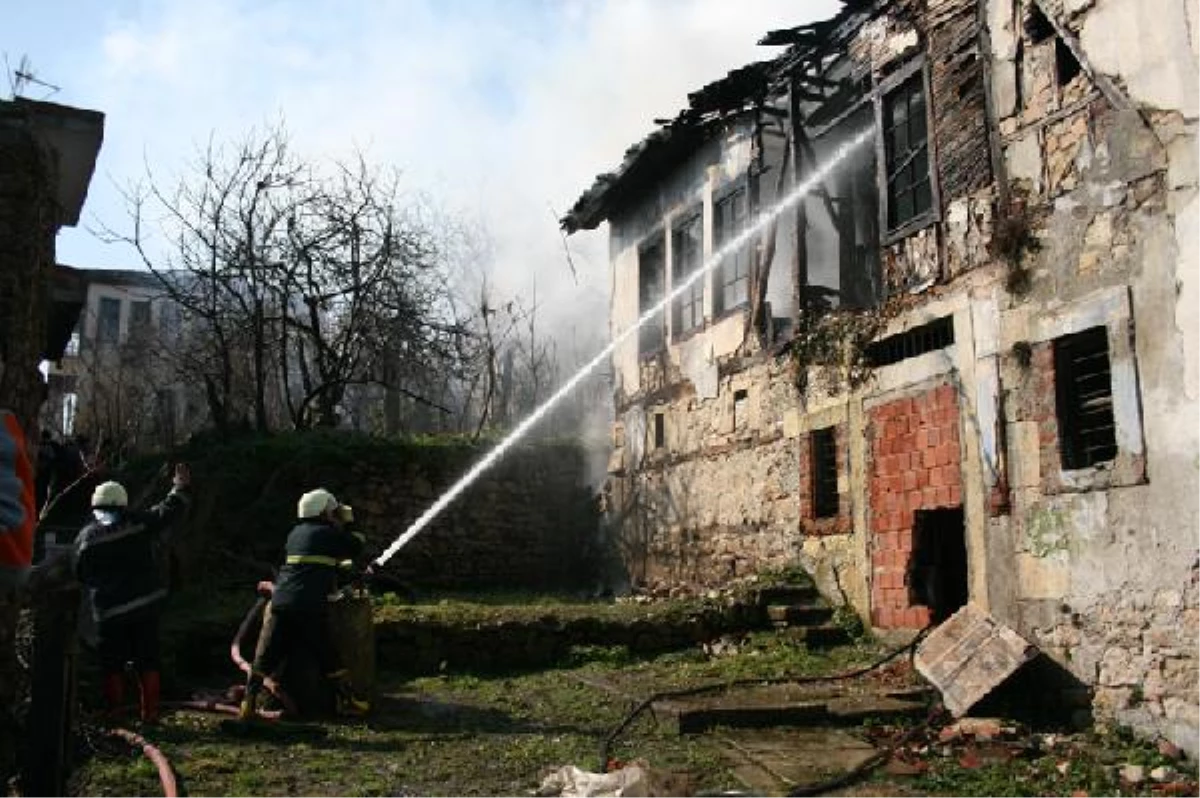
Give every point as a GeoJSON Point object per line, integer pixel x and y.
{"type": "Point", "coordinates": [741, 90]}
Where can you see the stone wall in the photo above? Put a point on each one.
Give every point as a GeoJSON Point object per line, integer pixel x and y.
{"type": "Point", "coordinates": [1096, 107]}
{"type": "Point", "coordinates": [718, 498]}
{"type": "Point", "coordinates": [530, 522]}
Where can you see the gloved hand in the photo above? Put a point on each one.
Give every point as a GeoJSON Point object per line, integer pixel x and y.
{"type": "Point", "coordinates": [346, 513]}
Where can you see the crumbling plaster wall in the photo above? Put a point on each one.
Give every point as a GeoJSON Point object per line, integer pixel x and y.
{"type": "Point", "coordinates": [1100, 566]}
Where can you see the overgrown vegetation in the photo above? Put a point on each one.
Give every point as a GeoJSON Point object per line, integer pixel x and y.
{"type": "Point", "coordinates": [1012, 241]}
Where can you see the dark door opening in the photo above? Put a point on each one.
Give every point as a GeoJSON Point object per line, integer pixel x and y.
{"type": "Point", "coordinates": [937, 570]}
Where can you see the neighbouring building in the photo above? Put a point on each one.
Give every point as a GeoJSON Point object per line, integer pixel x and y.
{"type": "Point", "coordinates": [963, 365]}
{"type": "Point", "coordinates": [47, 157]}
{"type": "Point", "coordinates": [114, 380]}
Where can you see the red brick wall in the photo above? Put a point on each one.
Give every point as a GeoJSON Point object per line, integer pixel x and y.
{"type": "Point", "coordinates": [916, 464]}
{"type": "Point", "coordinates": [835, 525]}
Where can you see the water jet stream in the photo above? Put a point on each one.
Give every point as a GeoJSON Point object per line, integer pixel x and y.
{"type": "Point", "coordinates": [765, 218]}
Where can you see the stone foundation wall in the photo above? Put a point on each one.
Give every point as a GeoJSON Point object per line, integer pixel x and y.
{"type": "Point", "coordinates": [718, 498]}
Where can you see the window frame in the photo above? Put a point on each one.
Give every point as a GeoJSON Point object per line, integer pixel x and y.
{"type": "Point", "coordinates": [102, 326]}
{"type": "Point", "coordinates": [693, 298]}
{"type": "Point", "coordinates": [728, 194]}
{"type": "Point", "coordinates": [825, 505]}
{"type": "Point", "coordinates": [887, 233]}
{"type": "Point", "coordinates": [1068, 410]}
{"type": "Point", "coordinates": [655, 240]}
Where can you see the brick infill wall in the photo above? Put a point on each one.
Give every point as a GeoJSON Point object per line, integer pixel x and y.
{"type": "Point", "coordinates": [915, 464]}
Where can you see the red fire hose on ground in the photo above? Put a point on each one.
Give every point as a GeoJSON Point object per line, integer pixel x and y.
{"type": "Point", "coordinates": [166, 773]}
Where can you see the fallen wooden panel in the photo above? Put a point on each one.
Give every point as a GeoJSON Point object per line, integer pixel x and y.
{"type": "Point", "coordinates": [969, 655]}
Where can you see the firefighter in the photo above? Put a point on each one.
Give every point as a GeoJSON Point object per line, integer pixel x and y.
{"type": "Point", "coordinates": [317, 548]}
{"type": "Point", "coordinates": [116, 561]}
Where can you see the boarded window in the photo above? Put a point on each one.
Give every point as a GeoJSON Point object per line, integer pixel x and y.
{"type": "Point", "coordinates": [906, 144]}
{"type": "Point", "coordinates": [108, 321]}
{"type": "Point", "coordinates": [1083, 384]}
{"type": "Point", "coordinates": [823, 444]}
{"type": "Point", "coordinates": [733, 274]}
{"type": "Point", "coordinates": [651, 337]}
{"type": "Point", "coordinates": [686, 248]}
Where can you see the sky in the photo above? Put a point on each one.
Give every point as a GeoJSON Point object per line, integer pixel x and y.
{"type": "Point", "coordinates": [501, 111]}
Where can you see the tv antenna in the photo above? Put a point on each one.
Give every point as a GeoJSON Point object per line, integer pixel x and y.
{"type": "Point", "coordinates": [23, 76]}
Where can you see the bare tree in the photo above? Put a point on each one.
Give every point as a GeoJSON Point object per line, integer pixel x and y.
{"type": "Point", "coordinates": [297, 280]}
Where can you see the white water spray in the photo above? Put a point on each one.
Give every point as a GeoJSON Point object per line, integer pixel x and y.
{"type": "Point", "coordinates": [798, 193]}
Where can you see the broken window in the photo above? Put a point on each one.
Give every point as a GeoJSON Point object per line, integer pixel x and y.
{"type": "Point", "coordinates": [739, 407]}
{"type": "Point", "coordinates": [651, 337]}
{"type": "Point", "coordinates": [823, 446]}
{"type": "Point", "coordinates": [686, 248]}
{"type": "Point", "coordinates": [841, 220]}
{"type": "Point", "coordinates": [1037, 27]}
{"type": "Point", "coordinates": [108, 321]}
{"type": "Point", "coordinates": [906, 147]}
{"type": "Point", "coordinates": [1066, 65]}
{"type": "Point", "coordinates": [730, 214]}
{"type": "Point", "coordinates": [1083, 386]}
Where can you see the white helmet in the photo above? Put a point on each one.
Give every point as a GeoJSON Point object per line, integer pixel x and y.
{"type": "Point", "coordinates": [110, 494]}
{"type": "Point", "coordinates": [315, 503]}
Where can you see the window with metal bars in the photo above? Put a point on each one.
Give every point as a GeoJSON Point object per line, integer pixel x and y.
{"type": "Point", "coordinates": [906, 147]}
{"type": "Point", "coordinates": [686, 243]}
{"type": "Point", "coordinates": [823, 446]}
{"type": "Point", "coordinates": [1083, 384]}
{"type": "Point", "coordinates": [937, 334]}
{"type": "Point", "coordinates": [651, 336]}
{"type": "Point", "coordinates": [730, 215]}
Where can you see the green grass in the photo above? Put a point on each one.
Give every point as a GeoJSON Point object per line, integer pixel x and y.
{"type": "Point", "coordinates": [486, 734]}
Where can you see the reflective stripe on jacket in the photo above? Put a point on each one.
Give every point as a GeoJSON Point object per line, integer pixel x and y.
{"type": "Point", "coordinates": [18, 510]}
{"type": "Point", "coordinates": [315, 551]}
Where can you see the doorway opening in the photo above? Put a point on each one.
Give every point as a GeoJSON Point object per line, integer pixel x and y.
{"type": "Point", "coordinates": [937, 570]}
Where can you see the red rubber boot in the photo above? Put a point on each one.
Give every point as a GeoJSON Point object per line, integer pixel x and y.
{"type": "Point", "coordinates": [150, 690]}
{"type": "Point", "coordinates": [113, 688]}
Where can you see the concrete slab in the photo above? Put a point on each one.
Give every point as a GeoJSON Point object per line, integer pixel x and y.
{"type": "Point", "coordinates": [969, 655]}
{"type": "Point", "coordinates": [772, 761]}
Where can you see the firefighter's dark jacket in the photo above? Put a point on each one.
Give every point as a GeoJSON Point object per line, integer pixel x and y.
{"type": "Point", "coordinates": [316, 550]}
{"type": "Point", "coordinates": [117, 562]}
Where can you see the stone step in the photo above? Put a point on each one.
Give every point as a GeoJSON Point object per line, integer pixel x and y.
{"type": "Point", "coordinates": [798, 614]}
{"type": "Point", "coordinates": [843, 710]}
{"type": "Point", "coordinates": [824, 635]}
{"type": "Point", "coordinates": [788, 594]}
